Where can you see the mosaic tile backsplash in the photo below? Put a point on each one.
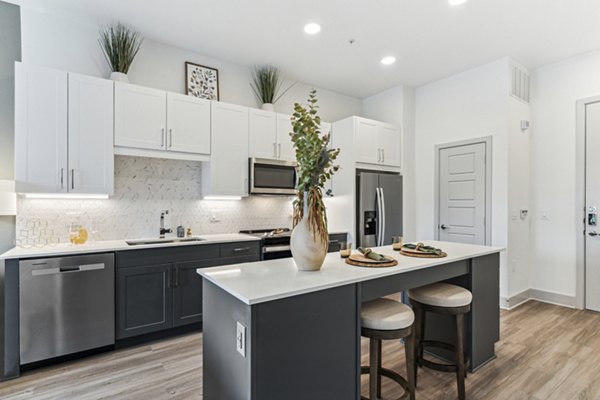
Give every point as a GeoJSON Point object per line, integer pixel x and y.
{"type": "Point", "coordinates": [143, 188]}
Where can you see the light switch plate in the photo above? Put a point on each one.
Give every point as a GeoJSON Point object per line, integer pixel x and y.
{"type": "Point", "coordinates": [240, 339]}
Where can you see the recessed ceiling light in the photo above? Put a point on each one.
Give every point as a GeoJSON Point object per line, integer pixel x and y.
{"type": "Point", "coordinates": [388, 60]}
{"type": "Point", "coordinates": [456, 2]}
{"type": "Point", "coordinates": [312, 28]}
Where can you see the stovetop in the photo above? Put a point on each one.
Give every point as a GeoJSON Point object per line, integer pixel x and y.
{"type": "Point", "coordinates": [268, 233]}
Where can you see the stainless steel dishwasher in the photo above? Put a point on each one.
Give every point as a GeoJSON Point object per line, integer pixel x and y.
{"type": "Point", "coordinates": [67, 305]}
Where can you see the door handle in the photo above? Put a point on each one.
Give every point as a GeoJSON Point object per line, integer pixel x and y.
{"type": "Point", "coordinates": [73, 178]}
{"type": "Point", "coordinates": [593, 233]}
{"type": "Point", "coordinates": [170, 137]}
{"type": "Point", "coordinates": [162, 138]}
{"type": "Point", "coordinates": [62, 178]}
{"type": "Point", "coordinates": [382, 155]}
{"type": "Point", "coordinates": [444, 227]}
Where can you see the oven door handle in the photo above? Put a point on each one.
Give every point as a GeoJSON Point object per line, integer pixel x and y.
{"type": "Point", "coordinates": [275, 249]}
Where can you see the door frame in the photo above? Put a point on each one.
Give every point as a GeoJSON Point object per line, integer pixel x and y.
{"type": "Point", "coordinates": [487, 140]}
{"type": "Point", "coordinates": [580, 199]}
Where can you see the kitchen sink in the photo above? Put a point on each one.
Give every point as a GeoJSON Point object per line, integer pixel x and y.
{"type": "Point", "coordinates": [161, 241]}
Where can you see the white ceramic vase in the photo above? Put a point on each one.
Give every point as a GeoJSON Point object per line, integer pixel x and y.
{"type": "Point", "coordinates": [268, 107]}
{"type": "Point", "coordinates": [119, 77]}
{"type": "Point", "coordinates": [308, 251]}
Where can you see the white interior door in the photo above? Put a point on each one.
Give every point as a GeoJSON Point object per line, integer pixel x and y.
{"type": "Point", "coordinates": [188, 124]}
{"type": "Point", "coordinates": [592, 194]}
{"type": "Point", "coordinates": [462, 191]}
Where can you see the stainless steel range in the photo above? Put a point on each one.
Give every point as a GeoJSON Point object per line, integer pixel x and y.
{"type": "Point", "coordinates": [275, 243]}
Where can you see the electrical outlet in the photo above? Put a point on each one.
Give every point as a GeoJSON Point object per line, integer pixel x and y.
{"type": "Point", "coordinates": [240, 339]}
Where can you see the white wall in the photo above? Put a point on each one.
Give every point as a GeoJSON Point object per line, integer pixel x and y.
{"type": "Point", "coordinates": [469, 105]}
{"type": "Point", "coordinates": [69, 44]}
{"type": "Point", "coordinates": [556, 88]}
{"type": "Point", "coordinates": [397, 106]}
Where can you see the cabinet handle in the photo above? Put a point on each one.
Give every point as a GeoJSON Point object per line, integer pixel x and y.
{"type": "Point", "coordinates": [73, 178]}
{"type": "Point", "coordinates": [240, 249]}
{"type": "Point", "coordinates": [162, 138]}
{"type": "Point", "coordinates": [62, 178]}
{"type": "Point", "coordinates": [382, 155]}
{"type": "Point", "coordinates": [170, 137]}
{"type": "Point", "coordinates": [274, 150]}
{"type": "Point", "coordinates": [279, 150]}
{"type": "Point", "coordinates": [176, 284]}
{"type": "Point", "coordinates": [378, 155]}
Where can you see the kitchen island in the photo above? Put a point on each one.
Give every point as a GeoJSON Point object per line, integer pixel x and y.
{"type": "Point", "coordinates": [273, 332]}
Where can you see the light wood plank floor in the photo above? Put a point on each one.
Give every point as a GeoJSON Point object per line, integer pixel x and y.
{"type": "Point", "coordinates": [546, 352]}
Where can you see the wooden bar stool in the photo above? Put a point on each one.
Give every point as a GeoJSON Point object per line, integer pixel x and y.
{"type": "Point", "coordinates": [386, 319]}
{"type": "Point", "coordinates": [442, 298]}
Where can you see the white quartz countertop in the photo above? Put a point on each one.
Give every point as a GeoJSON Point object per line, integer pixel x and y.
{"type": "Point", "coordinates": [264, 281]}
{"type": "Point", "coordinates": [116, 245]}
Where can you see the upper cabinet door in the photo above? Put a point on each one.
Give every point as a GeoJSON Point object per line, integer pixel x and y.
{"type": "Point", "coordinates": [365, 141]}
{"type": "Point", "coordinates": [91, 150]}
{"type": "Point", "coordinates": [40, 129]}
{"type": "Point", "coordinates": [262, 139]}
{"type": "Point", "coordinates": [188, 124]}
{"type": "Point", "coordinates": [285, 146]}
{"type": "Point", "coordinates": [229, 154]}
{"type": "Point", "coordinates": [389, 143]}
{"type": "Point", "coordinates": [140, 117]}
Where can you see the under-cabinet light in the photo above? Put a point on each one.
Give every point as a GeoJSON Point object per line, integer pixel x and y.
{"type": "Point", "coordinates": [66, 196]}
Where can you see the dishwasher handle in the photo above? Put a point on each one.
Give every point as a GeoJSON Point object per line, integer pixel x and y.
{"type": "Point", "coordinates": [66, 269]}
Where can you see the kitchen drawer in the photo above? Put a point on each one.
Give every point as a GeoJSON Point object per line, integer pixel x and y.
{"type": "Point", "coordinates": [132, 258]}
{"type": "Point", "coordinates": [239, 249]}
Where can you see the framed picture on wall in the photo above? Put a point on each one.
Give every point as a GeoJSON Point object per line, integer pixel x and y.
{"type": "Point", "coordinates": [201, 81]}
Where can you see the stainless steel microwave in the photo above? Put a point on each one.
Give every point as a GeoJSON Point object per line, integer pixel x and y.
{"type": "Point", "coordinates": [272, 176]}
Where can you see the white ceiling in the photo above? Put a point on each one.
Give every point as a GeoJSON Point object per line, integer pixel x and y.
{"type": "Point", "coordinates": [429, 38]}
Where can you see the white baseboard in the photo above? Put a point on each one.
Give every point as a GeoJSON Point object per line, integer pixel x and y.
{"type": "Point", "coordinates": [539, 295]}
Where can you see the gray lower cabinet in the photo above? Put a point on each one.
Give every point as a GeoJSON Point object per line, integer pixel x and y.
{"type": "Point", "coordinates": [159, 289]}
{"type": "Point", "coordinates": [144, 300]}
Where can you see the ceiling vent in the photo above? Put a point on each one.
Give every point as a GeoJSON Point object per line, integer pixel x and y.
{"type": "Point", "coordinates": [519, 82]}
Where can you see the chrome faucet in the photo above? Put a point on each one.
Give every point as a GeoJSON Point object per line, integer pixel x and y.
{"type": "Point", "coordinates": [162, 230]}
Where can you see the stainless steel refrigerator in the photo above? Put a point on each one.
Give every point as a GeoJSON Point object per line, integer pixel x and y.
{"type": "Point", "coordinates": [378, 207]}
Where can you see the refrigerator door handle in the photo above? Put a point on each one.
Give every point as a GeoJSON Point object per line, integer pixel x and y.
{"type": "Point", "coordinates": [380, 211]}
{"type": "Point", "coordinates": [382, 223]}
{"type": "Point", "coordinates": [377, 213]}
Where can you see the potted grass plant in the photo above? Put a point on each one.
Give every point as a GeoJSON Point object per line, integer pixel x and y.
{"type": "Point", "coordinates": [120, 44]}
{"type": "Point", "coordinates": [266, 84]}
{"type": "Point", "coordinates": [315, 160]}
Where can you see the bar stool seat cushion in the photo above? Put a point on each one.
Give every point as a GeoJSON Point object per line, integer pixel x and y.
{"type": "Point", "coordinates": [386, 315]}
{"type": "Point", "coordinates": [441, 295]}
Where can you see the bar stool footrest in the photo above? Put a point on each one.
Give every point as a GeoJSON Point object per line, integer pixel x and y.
{"type": "Point", "coordinates": [388, 373]}
{"type": "Point", "coordinates": [435, 365]}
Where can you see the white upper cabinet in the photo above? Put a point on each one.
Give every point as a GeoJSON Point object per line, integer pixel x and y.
{"type": "Point", "coordinates": [262, 138]}
{"type": "Point", "coordinates": [365, 141]}
{"type": "Point", "coordinates": [376, 142]}
{"type": "Point", "coordinates": [155, 123]}
{"type": "Point", "coordinates": [140, 117]}
{"type": "Point", "coordinates": [389, 140]}
{"type": "Point", "coordinates": [91, 150]}
{"type": "Point", "coordinates": [285, 146]}
{"type": "Point", "coordinates": [40, 129]}
{"type": "Point", "coordinates": [188, 124]}
{"type": "Point", "coordinates": [63, 132]}
{"type": "Point", "coordinates": [227, 172]}
{"type": "Point", "coordinates": [269, 135]}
